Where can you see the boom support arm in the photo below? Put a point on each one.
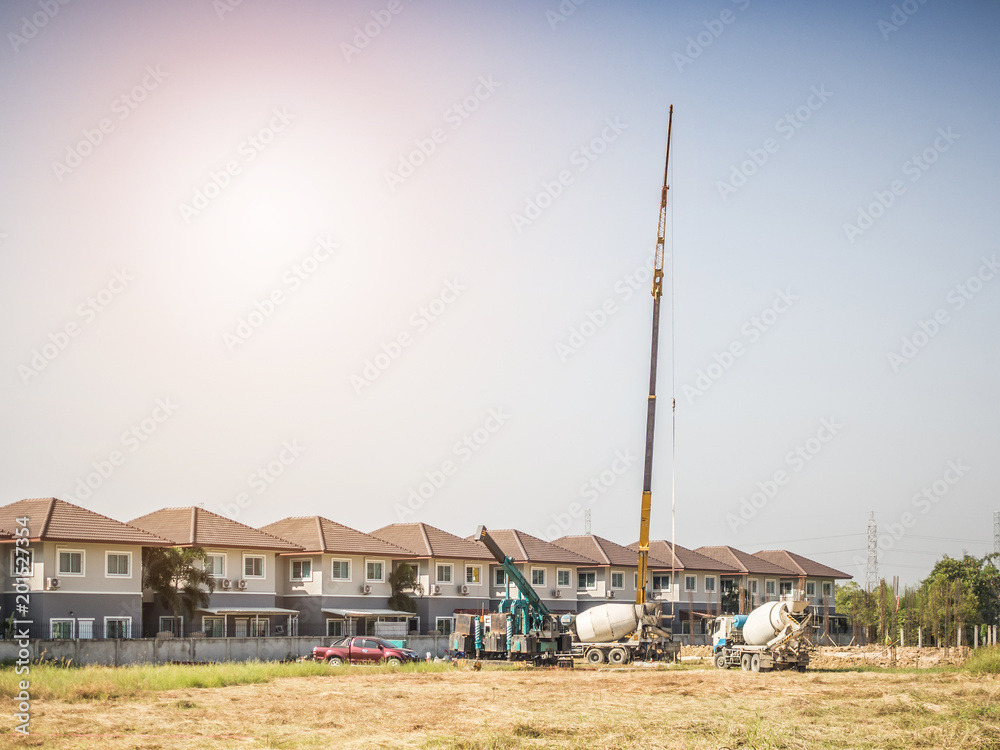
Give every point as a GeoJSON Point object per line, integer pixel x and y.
{"type": "Point", "coordinates": [513, 574]}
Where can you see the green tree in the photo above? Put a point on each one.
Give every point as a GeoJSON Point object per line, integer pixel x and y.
{"type": "Point", "coordinates": [402, 580]}
{"type": "Point", "coordinates": [173, 574]}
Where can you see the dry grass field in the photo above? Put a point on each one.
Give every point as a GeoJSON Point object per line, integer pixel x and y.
{"type": "Point", "coordinates": [456, 707]}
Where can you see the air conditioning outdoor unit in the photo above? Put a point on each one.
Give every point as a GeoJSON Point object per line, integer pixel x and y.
{"type": "Point", "coordinates": [435, 589]}
{"type": "Point", "coordinates": [557, 593]}
{"type": "Point", "coordinates": [227, 584]}
{"type": "Point", "coordinates": [366, 588]}
{"type": "Point", "coordinates": [464, 589]}
{"type": "Point", "coordinates": [611, 595]}
{"type": "Point", "coordinates": [51, 583]}
{"type": "Point", "coordinates": [241, 585]}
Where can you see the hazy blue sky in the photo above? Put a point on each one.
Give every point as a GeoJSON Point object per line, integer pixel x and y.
{"type": "Point", "coordinates": [286, 259]}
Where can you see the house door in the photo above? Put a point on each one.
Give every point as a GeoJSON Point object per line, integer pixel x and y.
{"type": "Point", "coordinates": [241, 628]}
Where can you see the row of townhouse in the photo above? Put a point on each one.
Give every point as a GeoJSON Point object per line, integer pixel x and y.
{"type": "Point", "coordinates": [313, 576]}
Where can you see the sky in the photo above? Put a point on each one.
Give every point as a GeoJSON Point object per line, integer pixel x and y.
{"type": "Point", "coordinates": [389, 261]}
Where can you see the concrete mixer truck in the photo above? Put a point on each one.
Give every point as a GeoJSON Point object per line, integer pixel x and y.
{"type": "Point", "coordinates": [771, 637]}
{"type": "Point", "coordinates": [621, 633]}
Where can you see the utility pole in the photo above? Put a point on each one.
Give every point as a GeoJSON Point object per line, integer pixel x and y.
{"type": "Point", "coordinates": [871, 574]}
{"type": "Point", "coordinates": [996, 531]}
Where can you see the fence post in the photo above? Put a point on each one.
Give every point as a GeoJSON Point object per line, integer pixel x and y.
{"type": "Point", "coordinates": [976, 637]}
{"type": "Point", "coordinates": [920, 637]}
{"type": "Point", "coordinates": [902, 642]}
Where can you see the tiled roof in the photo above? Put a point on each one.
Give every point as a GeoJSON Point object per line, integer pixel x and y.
{"type": "Point", "coordinates": [686, 559]}
{"type": "Point", "coordinates": [799, 564]}
{"type": "Point", "coordinates": [606, 552]}
{"type": "Point", "coordinates": [424, 540]}
{"type": "Point", "coordinates": [744, 562]}
{"type": "Point", "coordinates": [57, 520]}
{"type": "Point", "coordinates": [198, 527]}
{"type": "Point", "coordinates": [527, 548]}
{"type": "Point", "coordinates": [319, 534]}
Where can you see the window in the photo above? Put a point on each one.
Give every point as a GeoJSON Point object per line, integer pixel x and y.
{"type": "Point", "coordinates": [253, 566]}
{"type": "Point", "coordinates": [709, 584]}
{"type": "Point", "coordinates": [685, 627]}
{"type": "Point", "coordinates": [753, 586]}
{"type": "Point", "coordinates": [215, 564]}
{"type": "Point", "coordinates": [22, 562]}
{"type": "Point", "coordinates": [335, 628]}
{"type": "Point", "coordinates": [690, 583]}
{"type": "Point", "coordinates": [293, 627]}
{"type": "Point", "coordinates": [373, 570]}
{"type": "Point", "coordinates": [474, 574]}
{"type": "Point", "coordinates": [258, 628]}
{"type": "Point", "coordinates": [70, 562]}
{"type": "Point", "coordinates": [618, 580]}
{"type": "Point", "coordinates": [341, 570]}
{"type": "Point", "coordinates": [117, 627]}
{"type": "Point", "coordinates": [169, 624]}
{"type": "Point", "coordinates": [61, 628]}
{"type": "Point", "coordinates": [85, 628]}
{"type": "Point", "coordinates": [444, 573]}
{"type": "Point", "coordinates": [587, 580]}
{"type": "Point", "coordinates": [302, 570]}
{"type": "Point", "coordinates": [538, 576]}
{"type": "Point", "coordinates": [500, 577]}
{"type": "Point", "coordinates": [811, 589]}
{"type": "Point", "coordinates": [241, 628]}
{"type": "Point", "coordinates": [786, 587]}
{"type": "Point", "coordinates": [661, 583]}
{"type": "Point", "coordinates": [769, 587]}
{"type": "Point", "coordinates": [562, 578]}
{"type": "Point", "coordinates": [826, 591]}
{"type": "Point", "coordinates": [214, 627]}
{"type": "Point", "coordinates": [444, 625]}
{"type": "Point", "coordinates": [119, 564]}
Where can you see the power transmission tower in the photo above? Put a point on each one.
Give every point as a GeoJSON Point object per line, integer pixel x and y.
{"type": "Point", "coordinates": [871, 574]}
{"type": "Point", "coordinates": [586, 521]}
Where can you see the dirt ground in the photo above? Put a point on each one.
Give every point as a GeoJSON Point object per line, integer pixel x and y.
{"type": "Point", "coordinates": [839, 657]}
{"type": "Point", "coordinates": [625, 708]}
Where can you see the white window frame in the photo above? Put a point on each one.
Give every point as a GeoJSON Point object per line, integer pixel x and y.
{"type": "Point", "coordinates": [381, 576]}
{"type": "Point", "coordinates": [83, 562]}
{"type": "Point", "coordinates": [499, 573]}
{"type": "Point", "coordinates": [171, 628]}
{"type": "Point", "coordinates": [222, 573]}
{"type": "Point", "coordinates": [349, 569]}
{"type": "Point", "coordinates": [437, 573]}
{"type": "Point", "coordinates": [663, 577]}
{"type": "Point", "coordinates": [588, 574]}
{"type": "Point", "coordinates": [569, 578]}
{"type": "Point", "coordinates": [213, 618]}
{"type": "Point", "coordinates": [335, 621]}
{"type": "Point", "coordinates": [262, 626]}
{"type": "Point", "coordinates": [621, 575]}
{"type": "Point", "coordinates": [533, 581]}
{"type": "Point", "coordinates": [291, 569]}
{"type": "Point", "coordinates": [754, 586]}
{"type": "Point", "coordinates": [770, 587]}
{"type": "Point", "coordinates": [85, 625]}
{"type": "Point", "coordinates": [107, 560]}
{"type": "Point", "coordinates": [263, 566]}
{"type": "Point", "coordinates": [827, 590]}
{"type": "Point", "coordinates": [13, 561]}
{"type": "Point", "coordinates": [813, 594]}
{"type": "Point", "coordinates": [449, 620]}
{"type": "Point", "coordinates": [690, 579]}
{"type": "Point", "coordinates": [714, 589]}
{"type": "Point", "coordinates": [59, 620]}
{"type": "Point", "coordinates": [479, 575]}
{"type": "Point", "coordinates": [119, 618]}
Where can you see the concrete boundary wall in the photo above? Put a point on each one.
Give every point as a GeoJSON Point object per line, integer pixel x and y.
{"type": "Point", "coordinates": [166, 650]}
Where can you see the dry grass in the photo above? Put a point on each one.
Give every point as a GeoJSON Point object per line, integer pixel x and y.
{"type": "Point", "coordinates": [460, 708]}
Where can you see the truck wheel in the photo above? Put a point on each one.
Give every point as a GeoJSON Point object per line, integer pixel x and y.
{"type": "Point", "coordinates": [617, 656]}
{"type": "Point", "coordinates": [720, 661]}
{"type": "Point", "coordinates": [335, 661]}
{"type": "Point", "coordinates": [801, 667]}
{"type": "Point", "coordinates": [595, 656]}
{"type": "Point", "coordinates": [755, 663]}
{"type": "Point", "coordinates": [745, 662]}
{"type": "Point", "coordinates": [392, 661]}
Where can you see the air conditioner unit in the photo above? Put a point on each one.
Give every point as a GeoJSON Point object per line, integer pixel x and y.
{"type": "Point", "coordinates": [557, 593]}
{"type": "Point", "coordinates": [366, 588]}
{"type": "Point", "coordinates": [464, 589]}
{"type": "Point", "coordinates": [51, 583]}
{"type": "Point", "coordinates": [241, 585]}
{"type": "Point", "coordinates": [435, 589]}
{"type": "Point", "coordinates": [227, 584]}
{"type": "Point", "coordinates": [611, 595]}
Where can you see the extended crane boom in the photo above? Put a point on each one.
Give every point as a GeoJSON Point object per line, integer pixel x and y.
{"type": "Point", "coordinates": [513, 574]}
{"type": "Point", "coordinates": [647, 476]}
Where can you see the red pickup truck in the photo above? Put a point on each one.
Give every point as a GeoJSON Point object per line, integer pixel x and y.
{"type": "Point", "coordinates": [364, 650]}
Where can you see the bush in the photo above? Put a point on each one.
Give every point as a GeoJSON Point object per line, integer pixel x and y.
{"type": "Point", "coordinates": [984, 660]}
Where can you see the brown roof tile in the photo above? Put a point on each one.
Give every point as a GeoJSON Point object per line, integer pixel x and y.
{"type": "Point", "coordinates": [799, 564]}
{"type": "Point", "coordinates": [527, 548]}
{"type": "Point", "coordinates": [605, 552]}
{"type": "Point", "coordinates": [51, 518]}
{"type": "Point", "coordinates": [197, 527]}
{"type": "Point", "coordinates": [424, 540]}
{"type": "Point", "coordinates": [686, 559]}
{"type": "Point", "coordinates": [319, 534]}
{"type": "Point", "coordinates": [744, 562]}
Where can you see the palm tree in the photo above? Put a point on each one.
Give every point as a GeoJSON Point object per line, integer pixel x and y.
{"type": "Point", "coordinates": [171, 573]}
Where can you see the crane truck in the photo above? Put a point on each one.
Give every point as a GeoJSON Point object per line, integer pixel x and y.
{"type": "Point", "coordinates": [771, 637]}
